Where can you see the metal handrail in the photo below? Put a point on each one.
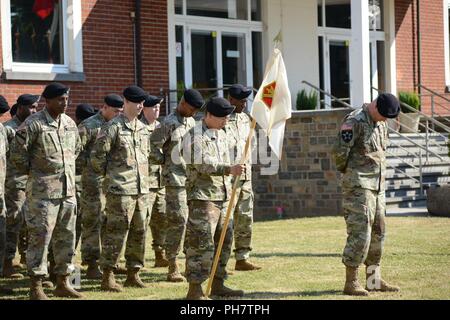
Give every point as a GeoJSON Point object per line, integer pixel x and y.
{"type": "Point", "coordinates": [328, 94]}
{"type": "Point", "coordinates": [434, 93]}
{"type": "Point", "coordinates": [404, 173]}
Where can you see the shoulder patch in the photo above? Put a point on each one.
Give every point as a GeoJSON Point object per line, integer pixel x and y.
{"type": "Point", "coordinates": [347, 132]}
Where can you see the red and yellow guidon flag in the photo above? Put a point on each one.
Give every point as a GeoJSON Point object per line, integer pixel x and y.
{"type": "Point", "coordinates": [272, 105]}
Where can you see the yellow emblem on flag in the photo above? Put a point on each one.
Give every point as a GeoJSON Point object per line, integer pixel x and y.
{"type": "Point", "coordinates": [268, 93]}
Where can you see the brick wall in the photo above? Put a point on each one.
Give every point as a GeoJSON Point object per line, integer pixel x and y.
{"type": "Point", "coordinates": [307, 183]}
{"type": "Point", "coordinates": [432, 48]}
{"type": "Point", "coordinates": [108, 52]}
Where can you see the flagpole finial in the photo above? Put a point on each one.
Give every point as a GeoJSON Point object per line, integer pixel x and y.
{"type": "Point", "coordinates": [279, 38]}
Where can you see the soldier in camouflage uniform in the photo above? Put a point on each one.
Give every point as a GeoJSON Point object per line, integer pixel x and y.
{"type": "Point", "coordinates": [82, 112]}
{"type": "Point", "coordinates": [3, 151]}
{"type": "Point", "coordinates": [239, 127]}
{"type": "Point", "coordinates": [166, 150]}
{"type": "Point", "coordinates": [209, 188]}
{"type": "Point", "coordinates": [157, 203]}
{"type": "Point", "coordinates": [121, 154]}
{"type": "Point", "coordinates": [92, 199]}
{"type": "Point", "coordinates": [45, 148]}
{"type": "Point", "coordinates": [15, 185]}
{"type": "Point", "coordinates": [360, 155]}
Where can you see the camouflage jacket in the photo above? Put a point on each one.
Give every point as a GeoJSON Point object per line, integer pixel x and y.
{"type": "Point", "coordinates": [208, 165]}
{"type": "Point", "coordinates": [237, 130]}
{"type": "Point", "coordinates": [88, 130]}
{"type": "Point", "coordinates": [120, 153]}
{"type": "Point", "coordinates": [166, 148]}
{"type": "Point", "coordinates": [3, 152]}
{"type": "Point", "coordinates": [359, 151]}
{"type": "Point", "coordinates": [46, 149]}
{"type": "Point", "coordinates": [154, 174]}
{"type": "Point", "coordinates": [14, 179]}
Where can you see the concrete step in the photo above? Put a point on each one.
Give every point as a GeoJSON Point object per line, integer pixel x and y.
{"type": "Point", "coordinates": [413, 192]}
{"type": "Point", "coordinates": [415, 161]}
{"type": "Point", "coordinates": [433, 170]}
{"type": "Point", "coordinates": [427, 180]}
{"type": "Point", "coordinates": [406, 202]}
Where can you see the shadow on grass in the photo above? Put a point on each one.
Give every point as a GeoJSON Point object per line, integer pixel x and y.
{"type": "Point", "coordinates": [281, 295]}
{"type": "Point", "coordinates": [293, 255]}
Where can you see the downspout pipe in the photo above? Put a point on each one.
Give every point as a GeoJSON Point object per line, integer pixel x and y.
{"type": "Point", "coordinates": [419, 49]}
{"type": "Point", "coordinates": [138, 41]}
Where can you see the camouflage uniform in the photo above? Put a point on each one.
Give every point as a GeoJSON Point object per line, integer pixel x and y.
{"type": "Point", "coordinates": [360, 156]}
{"type": "Point", "coordinates": [14, 197]}
{"type": "Point", "coordinates": [157, 201]}
{"type": "Point", "coordinates": [120, 153]}
{"type": "Point", "coordinates": [92, 199]}
{"type": "Point", "coordinates": [166, 144]}
{"type": "Point", "coordinates": [238, 129]}
{"type": "Point", "coordinates": [209, 189]}
{"type": "Point", "coordinates": [46, 150]}
{"type": "Point", "coordinates": [3, 151]}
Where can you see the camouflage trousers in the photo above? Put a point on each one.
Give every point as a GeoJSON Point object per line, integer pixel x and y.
{"type": "Point", "coordinates": [177, 212]}
{"type": "Point", "coordinates": [50, 219]}
{"type": "Point", "coordinates": [78, 219]}
{"type": "Point", "coordinates": [204, 226]}
{"type": "Point", "coordinates": [364, 212]}
{"type": "Point", "coordinates": [158, 218]}
{"type": "Point", "coordinates": [2, 232]}
{"type": "Point", "coordinates": [93, 221]}
{"type": "Point", "coordinates": [243, 221]}
{"type": "Point", "coordinates": [126, 217]}
{"type": "Point", "coordinates": [14, 200]}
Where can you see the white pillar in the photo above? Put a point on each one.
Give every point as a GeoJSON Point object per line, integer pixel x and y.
{"type": "Point", "coordinates": [390, 47]}
{"type": "Point", "coordinates": [360, 53]}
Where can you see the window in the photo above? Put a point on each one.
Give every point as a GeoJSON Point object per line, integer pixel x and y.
{"type": "Point", "coordinates": [225, 9]}
{"type": "Point", "coordinates": [42, 39]}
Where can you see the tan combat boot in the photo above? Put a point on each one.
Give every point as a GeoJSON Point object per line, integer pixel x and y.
{"type": "Point", "coordinates": [174, 274]}
{"type": "Point", "coordinates": [64, 289]}
{"type": "Point", "coordinates": [36, 290]}
{"type": "Point", "coordinates": [352, 286]}
{"type": "Point", "coordinates": [374, 282]}
{"type": "Point", "coordinates": [220, 290]}
{"type": "Point", "coordinates": [196, 292]}
{"type": "Point", "coordinates": [160, 259]}
{"type": "Point", "coordinates": [245, 265]}
{"type": "Point", "coordinates": [109, 282]}
{"type": "Point", "coordinates": [133, 279]}
{"type": "Point", "coordinates": [93, 271]}
{"type": "Point", "coordinates": [9, 272]}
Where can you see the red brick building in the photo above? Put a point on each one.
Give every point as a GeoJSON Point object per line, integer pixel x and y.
{"type": "Point", "coordinates": [197, 43]}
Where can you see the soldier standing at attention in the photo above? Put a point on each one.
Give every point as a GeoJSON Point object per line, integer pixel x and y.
{"type": "Point", "coordinates": [3, 151]}
{"type": "Point", "coordinates": [209, 189]}
{"type": "Point", "coordinates": [121, 154]}
{"type": "Point", "coordinates": [45, 148]}
{"type": "Point", "coordinates": [92, 199]}
{"type": "Point", "coordinates": [157, 203]}
{"type": "Point", "coordinates": [15, 185]}
{"type": "Point", "coordinates": [360, 156]}
{"type": "Point", "coordinates": [239, 126]}
{"type": "Point", "coordinates": [166, 147]}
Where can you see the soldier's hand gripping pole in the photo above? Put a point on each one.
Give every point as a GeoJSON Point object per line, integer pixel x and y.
{"type": "Point", "coordinates": [230, 208]}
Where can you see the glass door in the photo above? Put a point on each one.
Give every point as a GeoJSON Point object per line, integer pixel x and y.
{"type": "Point", "coordinates": [234, 61]}
{"type": "Point", "coordinates": [204, 60]}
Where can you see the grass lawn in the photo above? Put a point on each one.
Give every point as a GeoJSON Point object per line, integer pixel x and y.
{"type": "Point", "coordinates": [301, 259]}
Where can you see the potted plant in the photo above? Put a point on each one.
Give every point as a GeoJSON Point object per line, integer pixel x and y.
{"type": "Point", "coordinates": [409, 119]}
{"type": "Point", "coordinates": [307, 101]}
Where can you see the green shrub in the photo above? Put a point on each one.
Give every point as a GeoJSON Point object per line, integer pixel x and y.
{"type": "Point", "coordinates": [410, 98]}
{"type": "Point", "coordinates": [307, 101]}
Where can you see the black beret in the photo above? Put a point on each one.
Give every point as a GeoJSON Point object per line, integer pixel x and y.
{"type": "Point", "coordinates": [152, 101]}
{"type": "Point", "coordinates": [219, 107]}
{"type": "Point", "coordinates": [27, 99]}
{"type": "Point", "coordinates": [114, 100]}
{"type": "Point", "coordinates": [84, 111]}
{"type": "Point", "coordinates": [13, 110]}
{"type": "Point", "coordinates": [134, 94]}
{"type": "Point", "coordinates": [54, 90]}
{"type": "Point", "coordinates": [239, 92]}
{"type": "Point", "coordinates": [4, 107]}
{"type": "Point", "coordinates": [193, 98]}
{"type": "Point", "coordinates": [388, 105]}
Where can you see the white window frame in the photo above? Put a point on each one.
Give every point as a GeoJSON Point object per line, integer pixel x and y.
{"type": "Point", "coordinates": [72, 44]}
{"type": "Point", "coordinates": [219, 25]}
{"type": "Point", "coordinates": [446, 6]}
